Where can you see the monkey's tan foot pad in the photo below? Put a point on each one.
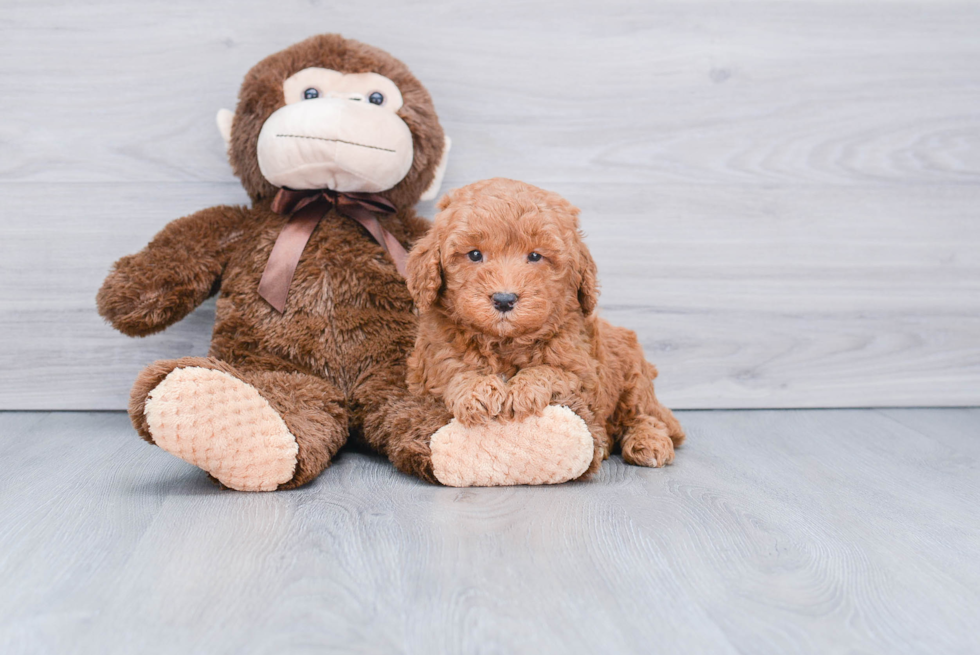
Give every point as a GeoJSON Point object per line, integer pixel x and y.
{"type": "Point", "coordinates": [548, 449]}
{"type": "Point", "coordinates": [220, 424]}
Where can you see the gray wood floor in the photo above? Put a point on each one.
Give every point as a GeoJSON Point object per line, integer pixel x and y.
{"type": "Point", "coordinates": [776, 532]}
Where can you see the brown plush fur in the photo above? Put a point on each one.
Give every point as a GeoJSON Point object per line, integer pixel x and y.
{"type": "Point", "coordinates": [334, 363]}
{"type": "Point", "coordinates": [551, 347]}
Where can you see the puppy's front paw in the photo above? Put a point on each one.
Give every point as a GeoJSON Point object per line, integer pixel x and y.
{"type": "Point", "coordinates": [481, 401]}
{"type": "Point", "coordinates": [526, 397]}
{"type": "Point", "coordinates": [647, 444]}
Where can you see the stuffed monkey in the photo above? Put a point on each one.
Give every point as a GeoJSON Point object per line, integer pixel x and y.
{"type": "Point", "coordinates": [334, 141]}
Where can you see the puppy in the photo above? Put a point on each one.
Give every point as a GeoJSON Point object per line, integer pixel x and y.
{"type": "Point", "coordinates": [506, 291]}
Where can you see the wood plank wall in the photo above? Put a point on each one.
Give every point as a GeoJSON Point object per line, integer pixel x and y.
{"type": "Point", "coordinates": [783, 197]}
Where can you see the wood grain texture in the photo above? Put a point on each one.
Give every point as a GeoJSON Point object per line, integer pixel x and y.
{"type": "Point", "coordinates": [781, 196]}
{"type": "Point", "coordinates": [775, 532]}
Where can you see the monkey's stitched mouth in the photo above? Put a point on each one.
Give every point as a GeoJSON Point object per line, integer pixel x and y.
{"type": "Point", "coordinates": [320, 138]}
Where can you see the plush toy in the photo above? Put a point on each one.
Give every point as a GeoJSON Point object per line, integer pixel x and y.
{"type": "Point", "coordinates": [334, 141]}
{"type": "Point", "coordinates": [507, 291]}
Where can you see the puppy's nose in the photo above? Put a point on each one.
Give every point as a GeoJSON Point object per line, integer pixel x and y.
{"type": "Point", "coordinates": [504, 302]}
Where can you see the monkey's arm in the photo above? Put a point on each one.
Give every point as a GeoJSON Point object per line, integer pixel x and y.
{"type": "Point", "coordinates": [180, 268]}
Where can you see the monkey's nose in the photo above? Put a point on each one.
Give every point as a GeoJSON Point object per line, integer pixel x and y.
{"type": "Point", "coordinates": [504, 302]}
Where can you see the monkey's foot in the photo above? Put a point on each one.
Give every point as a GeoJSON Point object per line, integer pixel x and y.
{"type": "Point", "coordinates": [548, 449]}
{"type": "Point", "coordinates": [218, 423]}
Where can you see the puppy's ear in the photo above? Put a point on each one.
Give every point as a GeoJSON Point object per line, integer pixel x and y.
{"type": "Point", "coordinates": [447, 199]}
{"type": "Point", "coordinates": [423, 271]}
{"type": "Point", "coordinates": [588, 288]}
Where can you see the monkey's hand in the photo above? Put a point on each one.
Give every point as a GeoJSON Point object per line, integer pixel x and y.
{"type": "Point", "coordinates": [475, 399]}
{"type": "Point", "coordinates": [534, 388]}
{"type": "Point", "coordinates": [146, 292]}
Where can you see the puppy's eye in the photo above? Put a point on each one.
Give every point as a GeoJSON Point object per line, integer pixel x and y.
{"type": "Point", "coordinates": [310, 93]}
{"type": "Point", "coordinates": [376, 98]}
{"type": "Point", "coordinates": [475, 256]}
{"type": "Point", "coordinates": [534, 257]}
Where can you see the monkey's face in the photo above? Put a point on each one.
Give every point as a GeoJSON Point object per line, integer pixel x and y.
{"type": "Point", "coordinates": [336, 131]}
{"type": "Point", "coordinates": [332, 113]}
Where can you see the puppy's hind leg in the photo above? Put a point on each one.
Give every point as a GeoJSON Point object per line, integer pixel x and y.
{"type": "Point", "coordinates": [649, 432]}
{"type": "Point", "coordinates": [673, 426]}
{"type": "Point", "coordinates": [647, 441]}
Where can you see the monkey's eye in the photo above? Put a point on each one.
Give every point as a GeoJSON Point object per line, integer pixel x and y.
{"type": "Point", "coordinates": [534, 257]}
{"type": "Point", "coordinates": [376, 98]}
{"type": "Point", "coordinates": [310, 93]}
{"type": "Point", "coordinates": [475, 256]}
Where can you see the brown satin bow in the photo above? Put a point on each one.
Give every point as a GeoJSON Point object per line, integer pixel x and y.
{"type": "Point", "coordinates": [305, 209]}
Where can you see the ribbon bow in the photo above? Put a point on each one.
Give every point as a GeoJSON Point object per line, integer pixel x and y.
{"type": "Point", "coordinates": [305, 210]}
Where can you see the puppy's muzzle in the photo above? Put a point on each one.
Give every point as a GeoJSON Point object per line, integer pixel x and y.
{"type": "Point", "coordinates": [504, 302]}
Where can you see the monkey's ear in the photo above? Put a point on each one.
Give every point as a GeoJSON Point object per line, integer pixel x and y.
{"type": "Point", "coordinates": [224, 118]}
{"type": "Point", "coordinates": [433, 190]}
{"type": "Point", "coordinates": [588, 288]}
{"type": "Point", "coordinates": [424, 271]}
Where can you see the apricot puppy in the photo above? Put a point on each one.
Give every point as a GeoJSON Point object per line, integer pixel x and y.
{"type": "Point", "coordinates": [507, 291]}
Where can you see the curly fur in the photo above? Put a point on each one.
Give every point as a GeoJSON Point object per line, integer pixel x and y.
{"type": "Point", "coordinates": [333, 364]}
{"type": "Point", "coordinates": [552, 347]}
